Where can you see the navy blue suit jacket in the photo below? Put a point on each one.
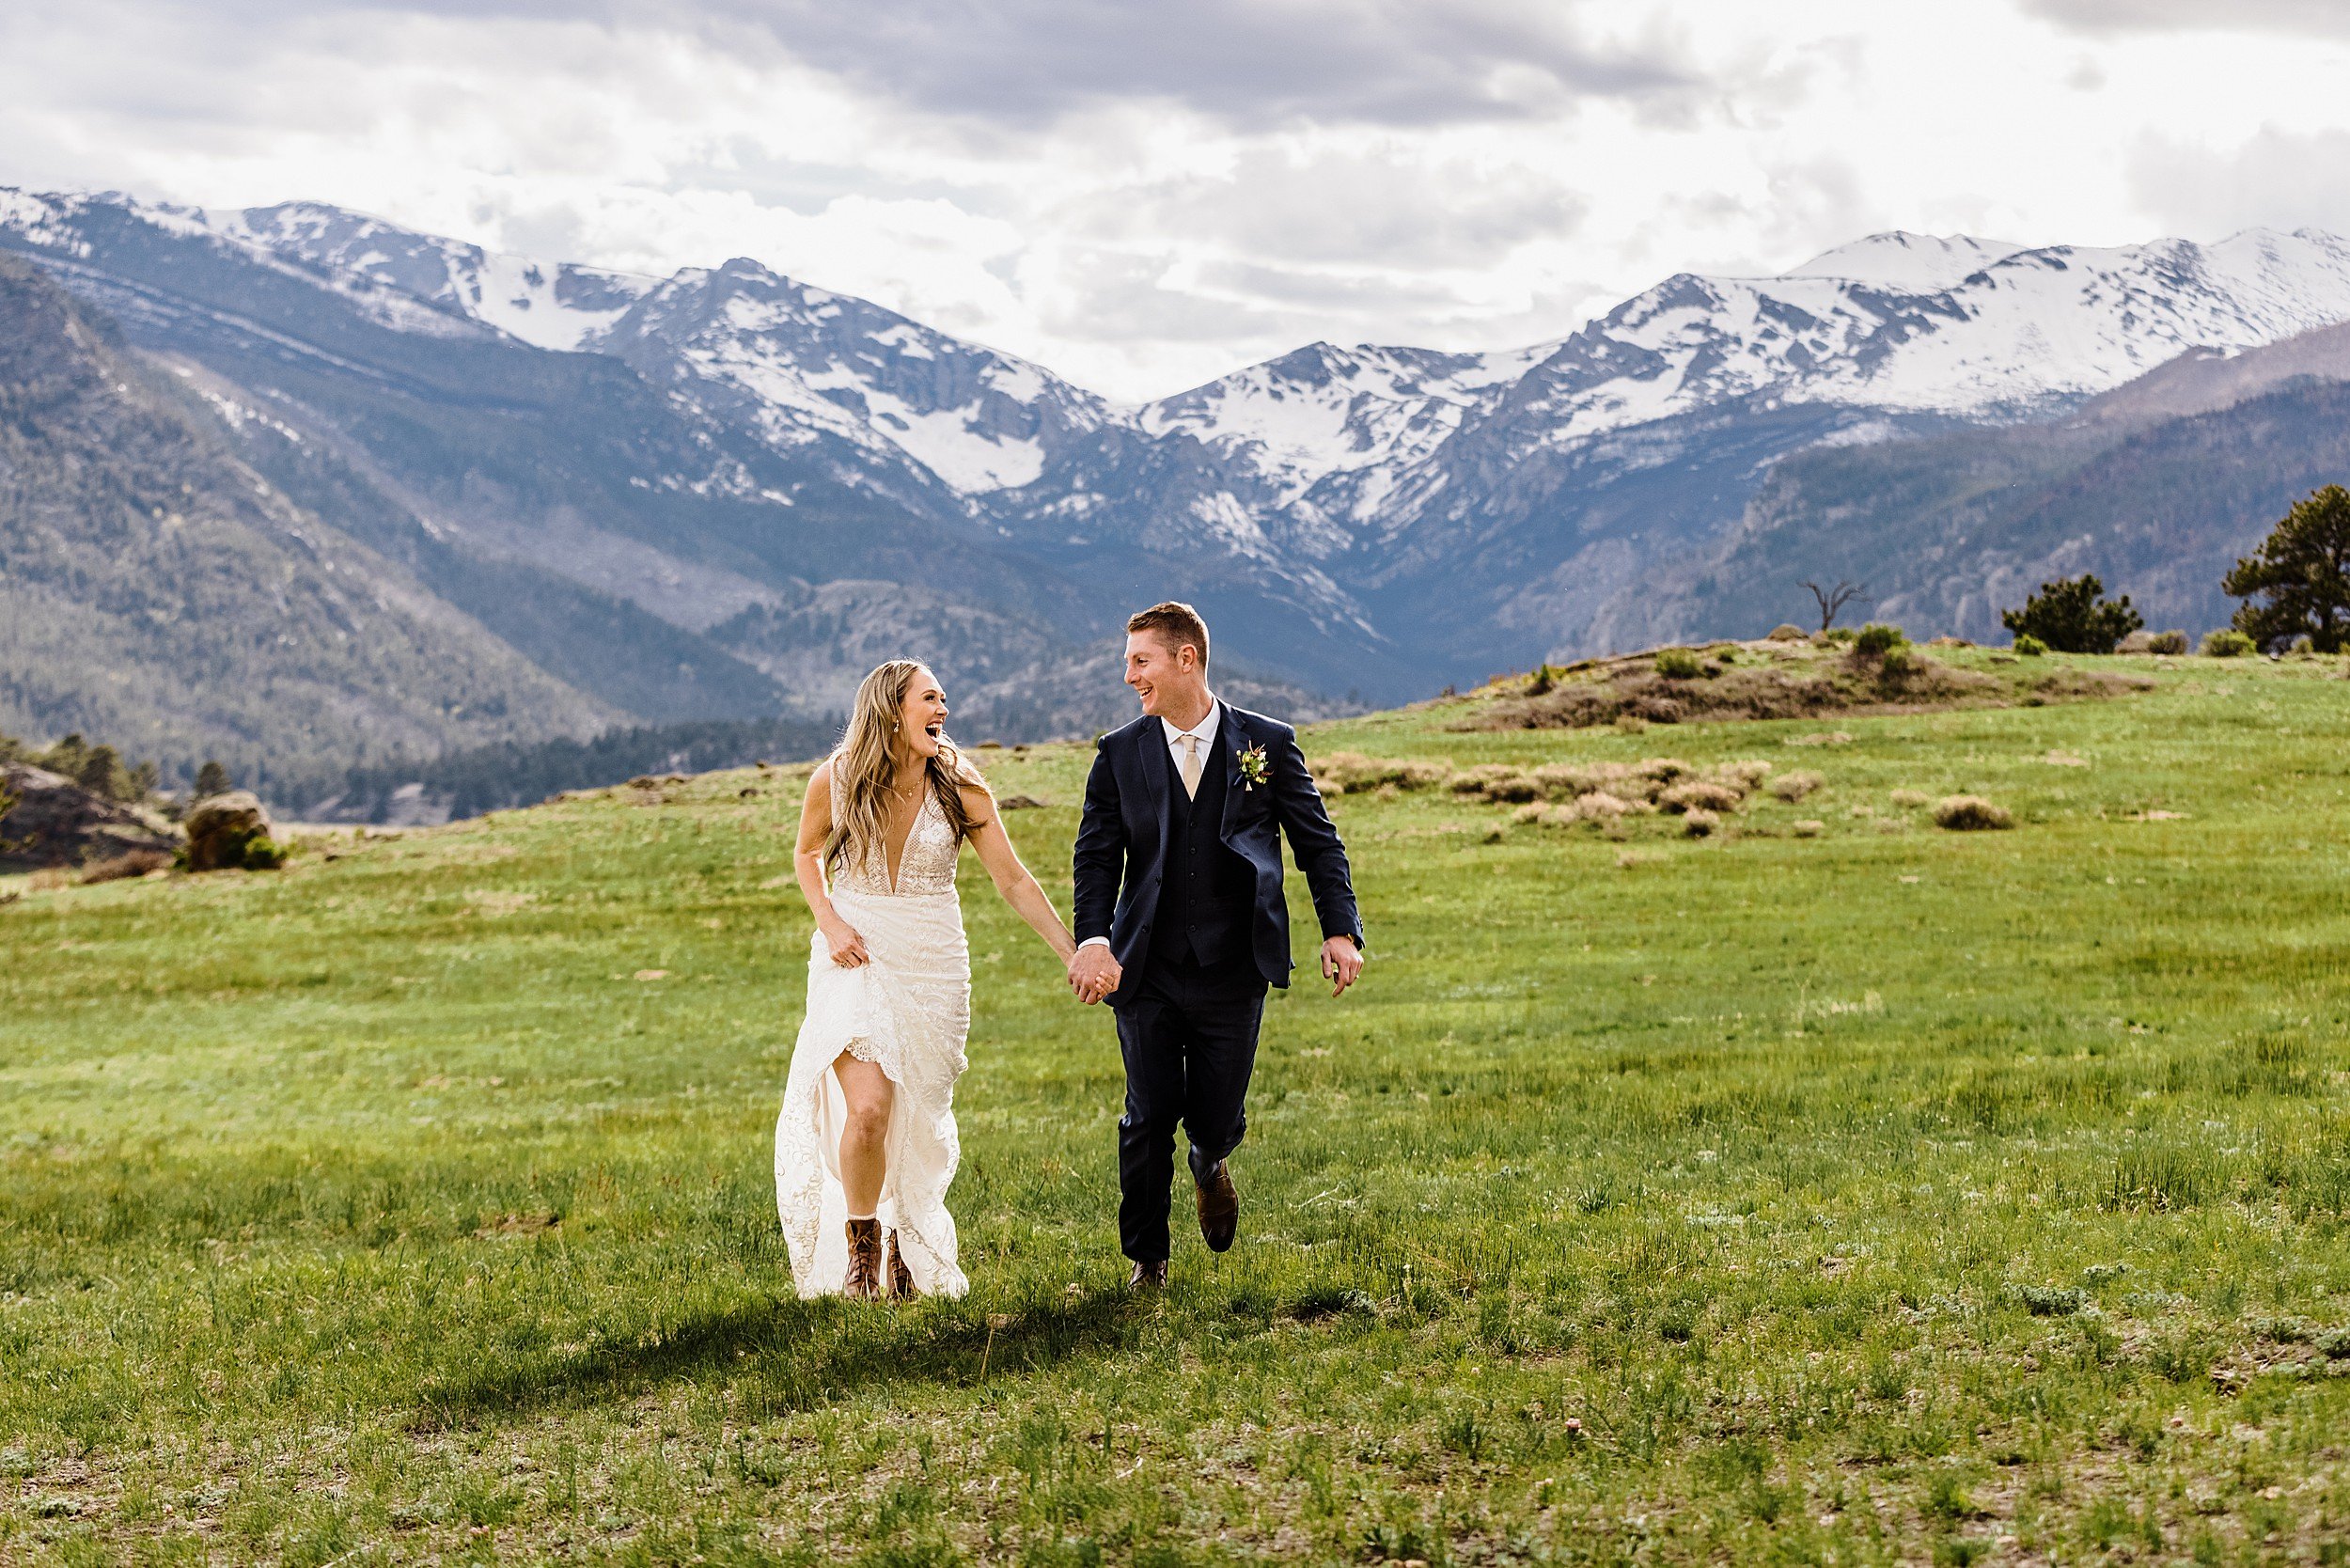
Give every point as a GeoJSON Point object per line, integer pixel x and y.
{"type": "Point", "coordinates": [1121, 841]}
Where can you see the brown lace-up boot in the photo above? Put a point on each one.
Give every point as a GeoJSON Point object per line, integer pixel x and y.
{"type": "Point", "coordinates": [864, 1279]}
{"type": "Point", "coordinates": [900, 1278]}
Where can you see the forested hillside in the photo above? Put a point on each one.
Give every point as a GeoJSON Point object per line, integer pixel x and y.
{"type": "Point", "coordinates": [2158, 488]}
{"type": "Point", "coordinates": [160, 594]}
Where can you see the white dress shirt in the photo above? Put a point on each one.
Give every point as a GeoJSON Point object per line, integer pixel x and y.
{"type": "Point", "coordinates": [1205, 729]}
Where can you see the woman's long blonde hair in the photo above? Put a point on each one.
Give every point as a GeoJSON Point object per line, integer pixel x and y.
{"type": "Point", "coordinates": [865, 765]}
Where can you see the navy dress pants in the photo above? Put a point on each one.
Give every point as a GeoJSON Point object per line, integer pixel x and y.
{"type": "Point", "coordinates": [1190, 1038]}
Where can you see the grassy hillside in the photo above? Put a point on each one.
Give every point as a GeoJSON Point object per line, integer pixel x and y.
{"type": "Point", "coordinates": [1881, 1194]}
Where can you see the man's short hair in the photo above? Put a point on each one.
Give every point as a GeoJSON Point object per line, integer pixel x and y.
{"type": "Point", "coordinates": [1173, 624]}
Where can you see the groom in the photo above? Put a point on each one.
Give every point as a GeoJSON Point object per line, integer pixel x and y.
{"type": "Point", "coordinates": [1181, 922]}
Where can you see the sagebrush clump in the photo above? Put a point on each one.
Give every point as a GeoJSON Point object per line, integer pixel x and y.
{"type": "Point", "coordinates": [1970, 814]}
{"type": "Point", "coordinates": [1793, 786]}
{"type": "Point", "coordinates": [1355, 773]}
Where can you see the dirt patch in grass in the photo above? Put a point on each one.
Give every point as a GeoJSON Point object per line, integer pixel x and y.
{"type": "Point", "coordinates": [1764, 681]}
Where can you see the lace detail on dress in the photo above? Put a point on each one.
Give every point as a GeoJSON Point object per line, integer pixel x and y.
{"type": "Point", "coordinates": [909, 1012]}
{"type": "Point", "coordinates": [926, 868]}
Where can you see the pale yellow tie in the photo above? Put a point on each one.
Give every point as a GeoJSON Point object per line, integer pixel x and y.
{"type": "Point", "coordinates": [1190, 766]}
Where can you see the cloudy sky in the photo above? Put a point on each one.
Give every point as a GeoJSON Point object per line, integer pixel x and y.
{"type": "Point", "coordinates": [1143, 194]}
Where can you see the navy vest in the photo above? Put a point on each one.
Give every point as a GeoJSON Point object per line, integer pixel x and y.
{"type": "Point", "coordinates": [1207, 894]}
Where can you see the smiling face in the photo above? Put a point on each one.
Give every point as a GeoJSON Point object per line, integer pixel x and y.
{"type": "Point", "coordinates": [922, 717]}
{"type": "Point", "coordinates": [1171, 682]}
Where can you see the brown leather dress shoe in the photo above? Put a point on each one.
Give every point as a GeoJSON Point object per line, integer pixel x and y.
{"type": "Point", "coordinates": [900, 1278]}
{"type": "Point", "coordinates": [1219, 1208]}
{"type": "Point", "coordinates": [863, 1281]}
{"type": "Point", "coordinates": [1148, 1276]}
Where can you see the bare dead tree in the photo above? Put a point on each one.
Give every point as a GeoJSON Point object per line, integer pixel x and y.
{"type": "Point", "coordinates": [1832, 600]}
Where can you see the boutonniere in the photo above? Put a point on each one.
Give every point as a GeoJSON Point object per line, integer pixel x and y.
{"type": "Point", "coordinates": [1254, 767]}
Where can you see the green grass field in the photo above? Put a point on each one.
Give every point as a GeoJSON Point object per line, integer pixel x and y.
{"type": "Point", "coordinates": [1884, 1195]}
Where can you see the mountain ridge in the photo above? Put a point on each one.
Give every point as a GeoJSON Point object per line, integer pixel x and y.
{"type": "Point", "coordinates": [710, 471]}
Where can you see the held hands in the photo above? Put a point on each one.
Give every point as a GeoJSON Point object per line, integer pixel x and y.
{"type": "Point", "coordinates": [848, 948]}
{"type": "Point", "coordinates": [1342, 962]}
{"type": "Point", "coordinates": [1093, 974]}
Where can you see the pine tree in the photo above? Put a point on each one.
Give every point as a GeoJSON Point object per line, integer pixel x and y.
{"type": "Point", "coordinates": [2071, 616]}
{"type": "Point", "coordinates": [2303, 570]}
{"type": "Point", "coordinates": [212, 779]}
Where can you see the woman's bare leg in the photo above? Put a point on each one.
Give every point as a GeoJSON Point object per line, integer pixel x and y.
{"type": "Point", "coordinates": [864, 1142]}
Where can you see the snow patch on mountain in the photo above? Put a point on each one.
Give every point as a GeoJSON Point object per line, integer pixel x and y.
{"type": "Point", "coordinates": [1916, 263]}
{"type": "Point", "coordinates": [1323, 410]}
{"type": "Point", "coordinates": [972, 418]}
{"type": "Point", "coordinates": [2031, 332]}
{"type": "Point", "coordinates": [548, 304]}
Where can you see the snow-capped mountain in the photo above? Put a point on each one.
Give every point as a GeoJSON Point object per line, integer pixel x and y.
{"type": "Point", "coordinates": [1385, 516]}
{"type": "Point", "coordinates": [2023, 334]}
{"type": "Point", "coordinates": [804, 363]}
{"type": "Point", "coordinates": [1323, 410]}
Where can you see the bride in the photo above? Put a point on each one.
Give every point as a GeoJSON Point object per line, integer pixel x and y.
{"type": "Point", "coordinates": [866, 1144]}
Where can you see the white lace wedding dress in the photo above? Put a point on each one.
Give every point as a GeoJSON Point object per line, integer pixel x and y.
{"type": "Point", "coordinates": [908, 1012]}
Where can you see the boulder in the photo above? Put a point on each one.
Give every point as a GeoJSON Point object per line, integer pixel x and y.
{"type": "Point", "coordinates": [1784, 633]}
{"type": "Point", "coordinates": [222, 827]}
{"type": "Point", "coordinates": [54, 822]}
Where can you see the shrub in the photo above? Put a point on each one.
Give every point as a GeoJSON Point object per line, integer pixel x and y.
{"type": "Point", "coordinates": [265, 854]}
{"type": "Point", "coordinates": [1809, 828]}
{"type": "Point", "coordinates": [1899, 662]}
{"type": "Point", "coordinates": [1742, 776]}
{"type": "Point", "coordinates": [2228, 644]}
{"type": "Point", "coordinates": [2071, 616]}
{"type": "Point", "coordinates": [2029, 646]}
{"type": "Point", "coordinates": [1877, 639]}
{"type": "Point", "coordinates": [131, 863]}
{"type": "Point", "coordinates": [2167, 642]}
{"type": "Point", "coordinates": [1700, 795]}
{"type": "Point", "coordinates": [1498, 782]}
{"type": "Point", "coordinates": [1355, 774]}
{"type": "Point", "coordinates": [1784, 633]}
{"type": "Point", "coordinates": [2053, 1301]}
{"type": "Point", "coordinates": [1909, 799]}
{"type": "Point", "coordinates": [1793, 786]}
{"type": "Point", "coordinates": [1698, 823]}
{"type": "Point", "coordinates": [1599, 805]}
{"type": "Point", "coordinates": [1679, 664]}
{"type": "Point", "coordinates": [1970, 814]}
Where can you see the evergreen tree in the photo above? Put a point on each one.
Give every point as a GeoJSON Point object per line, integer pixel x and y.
{"type": "Point", "coordinates": [2072, 616]}
{"type": "Point", "coordinates": [101, 773]}
{"type": "Point", "coordinates": [212, 779]}
{"type": "Point", "coordinates": [2303, 570]}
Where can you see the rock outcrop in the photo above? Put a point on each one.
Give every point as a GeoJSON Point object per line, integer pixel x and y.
{"type": "Point", "coordinates": [222, 830]}
{"type": "Point", "coordinates": [54, 822]}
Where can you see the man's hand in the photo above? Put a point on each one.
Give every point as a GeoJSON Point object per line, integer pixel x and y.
{"type": "Point", "coordinates": [1341, 964]}
{"type": "Point", "coordinates": [1093, 974]}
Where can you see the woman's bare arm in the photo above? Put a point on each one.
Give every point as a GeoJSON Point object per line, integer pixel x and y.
{"type": "Point", "coordinates": [1013, 880]}
{"type": "Point", "coordinates": [807, 863]}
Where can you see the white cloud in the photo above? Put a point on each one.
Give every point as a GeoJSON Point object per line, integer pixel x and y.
{"type": "Point", "coordinates": [2278, 178]}
{"type": "Point", "coordinates": [1142, 198]}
